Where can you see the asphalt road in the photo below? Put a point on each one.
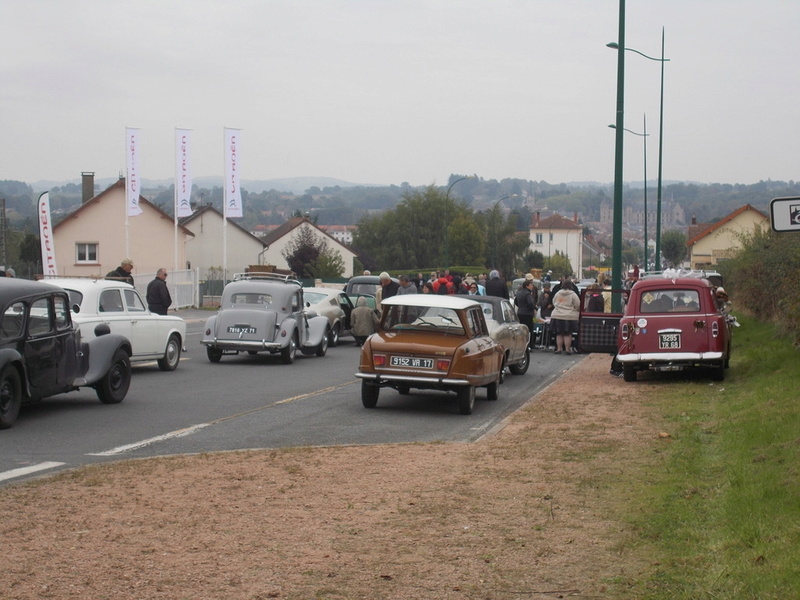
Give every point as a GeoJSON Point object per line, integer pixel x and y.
{"type": "Point", "coordinates": [247, 402]}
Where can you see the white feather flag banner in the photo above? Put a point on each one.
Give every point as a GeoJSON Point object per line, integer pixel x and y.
{"type": "Point", "coordinates": [183, 173]}
{"type": "Point", "coordinates": [132, 181]}
{"type": "Point", "coordinates": [46, 236]}
{"type": "Point", "coordinates": [233, 194]}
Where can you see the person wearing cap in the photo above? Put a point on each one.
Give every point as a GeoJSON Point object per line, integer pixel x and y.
{"type": "Point", "coordinates": [122, 272]}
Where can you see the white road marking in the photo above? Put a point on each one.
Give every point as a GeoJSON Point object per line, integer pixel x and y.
{"type": "Point", "coordinates": [159, 438]}
{"type": "Point", "coordinates": [193, 428]}
{"type": "Point", "coordinates": [13, 473]}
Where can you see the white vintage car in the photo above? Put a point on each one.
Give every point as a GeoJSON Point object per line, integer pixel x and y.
{"type": "Point", "coordinates": [119, 305]}
{"type": "Point", "coordinates": [264, 313]}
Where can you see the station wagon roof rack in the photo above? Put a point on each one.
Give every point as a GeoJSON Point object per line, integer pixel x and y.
{"type": "Point", "coordinates": [675, 273]}
{"type": "Point", "coordinates": [265, 277]}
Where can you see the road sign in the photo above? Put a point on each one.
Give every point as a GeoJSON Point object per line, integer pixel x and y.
{"type": "Point", "coordinates": [784, 214]}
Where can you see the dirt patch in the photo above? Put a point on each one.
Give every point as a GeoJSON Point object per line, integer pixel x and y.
{"type": "Point", "coordinates": [523, 513]}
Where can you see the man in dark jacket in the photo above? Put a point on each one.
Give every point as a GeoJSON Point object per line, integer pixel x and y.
{"type": "Point", "coordinates": [122, 272]}
{"type": "Point", "coordinates": [158, 298]}
{"type": "Point", "coordinates": [496, 286]}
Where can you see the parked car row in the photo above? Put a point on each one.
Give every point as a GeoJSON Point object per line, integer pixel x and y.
{"type": "Point", "coordinates": [86, 332]}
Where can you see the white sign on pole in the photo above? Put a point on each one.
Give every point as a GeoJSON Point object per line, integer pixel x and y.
{"type": "Point", "coordinates": [784, 214]}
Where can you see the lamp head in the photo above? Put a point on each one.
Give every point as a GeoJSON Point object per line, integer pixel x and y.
{"type": "Point", "coordinates": [613, 45]}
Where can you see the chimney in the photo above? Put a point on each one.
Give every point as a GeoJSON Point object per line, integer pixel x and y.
{"type": "Point", "coordinates": [575, 217]}
{"type": "Point", "coordinates": [536, 218]}
{"type": "Point", "coordinates": [87, 186]}
{"type": "Point", "coordinates": [694, 220]}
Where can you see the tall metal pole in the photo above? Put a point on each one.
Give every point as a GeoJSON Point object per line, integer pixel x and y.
{"type": "Point", "coordinates": [616, 254]}
{"type": "Point", "coordinates": [660, 147]}
{"type": "Point", "coordinates": [644, 138]}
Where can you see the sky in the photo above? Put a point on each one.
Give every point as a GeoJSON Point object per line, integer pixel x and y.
{"type": "Point", "coordinates": [394, 91]}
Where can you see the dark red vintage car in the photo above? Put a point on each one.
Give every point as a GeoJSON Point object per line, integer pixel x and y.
{"type": "Point", "coordinates": [673, 324]}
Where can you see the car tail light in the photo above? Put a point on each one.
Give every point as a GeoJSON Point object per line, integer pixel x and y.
{"type": "Point", "coordinates": [379, 360]}
{"type": "Point", "coordinates": [715, 329]}
{"type": "Point", "coordinates": [443, 364]}
{"type": "Point", "coordinates": [624, 331]}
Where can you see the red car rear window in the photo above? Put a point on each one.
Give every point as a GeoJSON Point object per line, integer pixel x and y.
{"type": "Point", "coordinates": [669, 301]}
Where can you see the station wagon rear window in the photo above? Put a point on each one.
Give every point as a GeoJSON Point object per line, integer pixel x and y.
{"type": "Point", "coordinates": [669, 301]}
{"type": "Point", "coordinates": [423, 318]}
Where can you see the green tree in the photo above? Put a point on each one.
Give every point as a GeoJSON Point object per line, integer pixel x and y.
{"type": "Point", "coordinates": [309, 255]}
{"type": "Point", "coordinates": [559, 264]}
{"type": "Point", "coordinates": [673, 247]}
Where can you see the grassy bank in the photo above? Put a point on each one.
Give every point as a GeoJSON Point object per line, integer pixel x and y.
{"type": "Point", "coordinates": [718, 508]}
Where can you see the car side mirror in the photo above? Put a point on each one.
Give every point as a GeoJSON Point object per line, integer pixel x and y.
{"type": "Point", "coordinates": [102, 329]}
{"type": "Point", "coordinates": [76, 308]}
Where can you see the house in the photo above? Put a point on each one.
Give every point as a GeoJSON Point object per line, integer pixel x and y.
{"type": "Point", "coordinates": [341, 233]}
{"type": "Point", "coordinates": [711, 242]}
{"type": "Point", "coordinates": [558, 233]}
{"type": "Point", "coordinates": [279, 240]}
{"type": "Point", "coordinates": [236, 246]}
{"type": "Point", "coordinates": [93, 239]}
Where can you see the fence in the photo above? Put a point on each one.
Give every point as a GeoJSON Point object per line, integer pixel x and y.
{"type": "Point", "coordinates": [182, 286]}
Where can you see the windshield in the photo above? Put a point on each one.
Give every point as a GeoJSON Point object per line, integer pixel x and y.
{"type": "Point", "coordinates": [314, 297]}
{"type": "Point", "coordinates": [422, 318]}
{"type": "Point", "coordinates": [670, 301]}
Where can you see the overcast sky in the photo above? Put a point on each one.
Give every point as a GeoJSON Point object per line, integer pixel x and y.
{"type": "Point", "coordinates": [385, 92]}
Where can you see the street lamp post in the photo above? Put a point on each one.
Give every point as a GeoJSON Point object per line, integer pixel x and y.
{"type": "Point", "coordinates": [616, 250]}
{"type": "Point", "coordinates": [644, 137]}
{"type": "Point", "coordinates": [662, 60]}
{"type": "Point", "coordinates": [447, 222]}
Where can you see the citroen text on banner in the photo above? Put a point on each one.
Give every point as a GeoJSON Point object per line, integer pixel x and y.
{"type": "Point", "coordinates": [183, 172]}
{"type": "Point", "coordinates": [132, 188]}
{"type": "Point", "coordinates": [233, 195]}
{"type": "Point", "coordinates": [46, 236]}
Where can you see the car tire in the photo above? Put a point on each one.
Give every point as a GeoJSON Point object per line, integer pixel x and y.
{"type": "Point", "coordinates": [718, 372]}
{"type": "Point", "coordinates": [628, 372]}
{"type": "Point", "coordinates": [369, 395]}
{"type": "Point", "coordinates": [322, 348]}
{"type": "Point", "coordinates": [493, 390]}
{"type": "Point", "coordinates": [214, 354]}
{"type": "Point", "coordinates": [522, 366]}
{"type": "Point", "coordinates": [333, 336]}
{"type": "Point", "coordinates": [172, 355]}
{"type": "Point", "coordinates": [290, 351]}
{"type": "Point", "coordinates": [10, 396]}
{"type": "Point", "coordinates": [113, 387]}
{"type": "Point", "coordinates": [466, 399]}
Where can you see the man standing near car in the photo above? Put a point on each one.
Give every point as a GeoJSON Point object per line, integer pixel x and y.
{"type": "Point", "coordinates": [158, 298]}
{"type": "Point", "coordinates": [122, 272]}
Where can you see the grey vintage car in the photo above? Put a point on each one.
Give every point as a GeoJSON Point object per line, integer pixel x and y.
{"type": "Point", "coordinates": [43, 354]}
{"type": "Point", "coordinates": [264, 313]}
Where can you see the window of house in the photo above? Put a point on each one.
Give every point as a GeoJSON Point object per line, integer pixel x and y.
{"type": "Point", "coordinates": [539, 238]}
{"type": "Point", "coordinates": [86, 252]}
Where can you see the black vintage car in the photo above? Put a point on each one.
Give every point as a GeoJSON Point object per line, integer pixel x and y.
{"type": "Point", "coordinates": [42, 354]}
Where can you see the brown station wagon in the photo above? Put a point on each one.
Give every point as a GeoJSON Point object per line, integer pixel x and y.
{"type": "Point", "coordinates": [431, 342]}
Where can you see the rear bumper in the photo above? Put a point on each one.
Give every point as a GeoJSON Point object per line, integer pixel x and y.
{"type": "Point", "coordinates": [257, 345]}
{"type": "Point", "coordinates": [381, 379]}
{"type": "Point", "coordinates": [671, 357]}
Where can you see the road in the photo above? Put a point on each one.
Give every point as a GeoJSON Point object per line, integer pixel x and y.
{"type": "Point", "coordinates": [247, 402]}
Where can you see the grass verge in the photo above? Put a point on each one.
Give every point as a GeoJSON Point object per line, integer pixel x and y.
{"type": "Point", "coordinates": [719, 511]}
